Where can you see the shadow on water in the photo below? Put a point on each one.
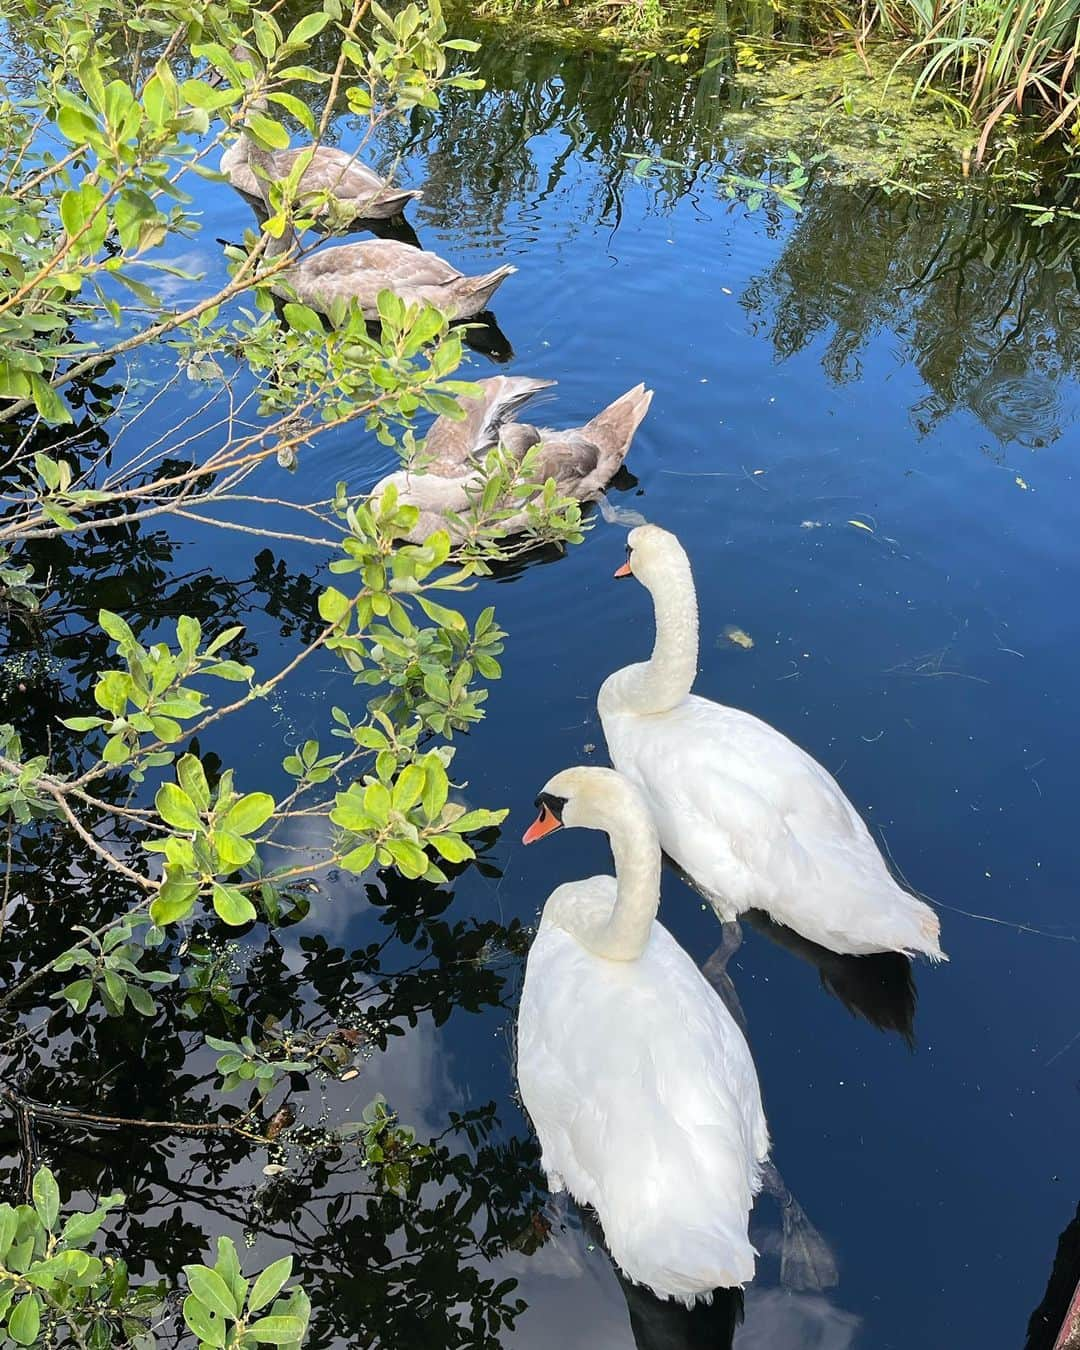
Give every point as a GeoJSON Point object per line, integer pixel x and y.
{"type": "Point", "coordinates": [879, 988]}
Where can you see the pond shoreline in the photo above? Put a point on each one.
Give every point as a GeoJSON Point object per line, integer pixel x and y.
{"type": "Point", "coordinates": [860, 105]}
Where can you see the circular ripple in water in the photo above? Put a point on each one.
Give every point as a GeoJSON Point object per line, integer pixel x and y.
{"type": "Point", "coordinates": [1020, 408]}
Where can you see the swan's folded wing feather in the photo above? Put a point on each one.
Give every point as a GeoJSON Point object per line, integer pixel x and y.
{"type": "Point", "coordinates": [405, 265]}
{"type": "Point", "coordinates": [646, 1101]}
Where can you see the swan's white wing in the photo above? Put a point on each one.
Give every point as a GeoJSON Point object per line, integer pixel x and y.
{"type": "Point", "coordinates": [645, 1099]}
{"type": "Point", "coordinates": [759, 823]}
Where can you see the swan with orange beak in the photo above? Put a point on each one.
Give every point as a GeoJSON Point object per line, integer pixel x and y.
{"type": "Point", "coordinates": [637, 1078]}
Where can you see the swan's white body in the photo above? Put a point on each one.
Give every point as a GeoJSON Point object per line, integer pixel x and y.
{"type": "Point", "coordinates": [638, 1081]}
{"type": "Point", "coordinates": [752, 819]}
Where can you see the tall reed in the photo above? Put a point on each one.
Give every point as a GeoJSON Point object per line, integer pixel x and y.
{"type": "Point", "coordinates": [999, 54]}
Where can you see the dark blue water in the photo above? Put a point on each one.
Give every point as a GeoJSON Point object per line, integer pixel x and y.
{"type": "Point", "coordinates": [864, 432]}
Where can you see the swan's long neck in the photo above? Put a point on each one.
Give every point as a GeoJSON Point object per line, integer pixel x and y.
{"type": "Point", "coordinates": [636, 848]}
{"type": "Point", "coordinates": [657, 685]}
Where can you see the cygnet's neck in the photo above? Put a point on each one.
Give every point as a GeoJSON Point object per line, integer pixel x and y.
{"type": "Point", "coordinates": [636, 848]}
{"type": "Point", "coordinates": [662, 682]}
{"type": "Point", "coordinates": [255, 155]}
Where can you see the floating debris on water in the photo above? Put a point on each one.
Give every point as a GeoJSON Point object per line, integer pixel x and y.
{"type": "Point", "coordinates": [738, 637]}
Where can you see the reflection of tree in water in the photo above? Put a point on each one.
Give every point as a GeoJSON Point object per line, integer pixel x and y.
{"type": "Point", "coordinates": [480, 150]}
{"type": "Point", "coordinates": [988, 307]}
{"type": "Point", "coordinates": [382, 1268]}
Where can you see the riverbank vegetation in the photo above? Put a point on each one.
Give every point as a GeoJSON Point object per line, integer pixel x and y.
{"type": "Point", "coordinates": [974, 63]}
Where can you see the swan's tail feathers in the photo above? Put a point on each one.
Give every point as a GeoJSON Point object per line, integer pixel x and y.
{"type": "Point", "coordinates": [928, 929]}
{"type": "Point", "coordinates": [905, 925]}
{"type": "Point", "coordinates": [613, 429]}
{"type": "Point", "coordinates": [509, 394]}
{"type": "Point", "coordinates": [475, 292]}
{"type": "Point", "coordinates": [392, 201]}
{"type": "Point", "coordinates": [689, 1265]}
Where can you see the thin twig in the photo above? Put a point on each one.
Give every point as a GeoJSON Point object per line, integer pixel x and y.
{"type": "Point", "coordinates": [71, 1114]}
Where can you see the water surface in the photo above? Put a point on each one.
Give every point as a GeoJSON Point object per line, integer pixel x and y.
{"type": "Point", "coordinates": [864, 431]}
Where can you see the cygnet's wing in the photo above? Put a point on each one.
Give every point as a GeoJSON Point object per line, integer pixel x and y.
{"type": "Point", "coordinates": [451, 443]}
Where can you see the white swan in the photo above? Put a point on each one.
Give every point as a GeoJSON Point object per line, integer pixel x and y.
{"type": "Point", "coordinates": [753, 820]}
{"type": "Point", "coordinates": [638, 1081]}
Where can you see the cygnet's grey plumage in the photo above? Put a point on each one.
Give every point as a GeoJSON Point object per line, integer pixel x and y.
{"type": "Point", "coordinates": [359, 192]}
{"type": "Point", "coordinates": [360, 271]}
{"type": "Point", "coordinates": [453, 444]}
{"type": "Point", "coordinates": [581, 460]}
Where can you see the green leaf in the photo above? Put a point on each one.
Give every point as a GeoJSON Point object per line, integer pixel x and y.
{"type": "Point", "coordinates": [307, 28]}
{"type": "Point", "coordinates": [46, 1197]}
{"type": "Point", "coordinates": [25, 1321]}
{"type": "Point", "coordinates": [78, 994]}
{"type": "Point", "coordinates": [377, 802]}
{"type": "Point", "coordinates": [333, 605]}
{"type": "Point", "coordinates": [207, 1325]}
{"type": "Point", "coordinates": [477, 820]}
{"type": "Point", "coordinates": [224, 638]}
{"type": "Point", "coordinates": [211, 1290]}
{"type": "Point", "coordinates": [116, 750]}
{"type": "Point", "coordinates": [116, 627]}
{"type": "Point", "coordinates": [436, 787]}
{"type": "Point", "coordinates": [140, 1000]}
{"type": "Point", "coordinates": [268, 132]}
{"type": "Point", "coordinates": [79, 1228]}
{"type": "Point", "coordinates": [304, 320]}
{"type": "Point", "coordinates": [174, 901]}
{"type": "Point", "coordinates": [176, 808]}
{"type": "Point", "coordinates": [192, 778]}
{"type": "Point", "coordinates": [409, 787]}
{"type": "Point", "coordinates": [48, 471]}
{"type": "Point", "coordinates": [249, 814]}
{"type": "Point", "coordinates": [451, 847]}
{"type": "Point", "coordinates": [299, 110]}
{"type": "Point", "coordinates": [277, 1330]}
{"type": "Point", "coordinates": [188, 635]}
{"type": "Point", "coordinates": [270, 1283]}
{"type": "Point", "coordinates": [229, 670]}
{"type": "Point", "coordinates": [116, 987]}
{"type": "Point", "coordinates": [48, 402]}
{"type": "Point", "coordinates": [411, 860]}
{"type": "Point", "coordinates": [112, 690]}
{"type": "Point", "coordinates": [227, 1266]}
{"type": "Point", "coordinates": [360, 859]}
{"type": "Point", "coordinates": [232, 906]}
{"type": "Point", "coordinates": [9, 1223]}
{"type": "Point", "coordinates": [233, 850]}
{"type": "Point", "coordinates": [267, 34]}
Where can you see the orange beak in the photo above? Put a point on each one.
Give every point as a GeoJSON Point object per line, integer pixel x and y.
{"type": "Point", "coordinates": [545, 823]}
{"type": "Point", "coordinates": [623, 571]}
